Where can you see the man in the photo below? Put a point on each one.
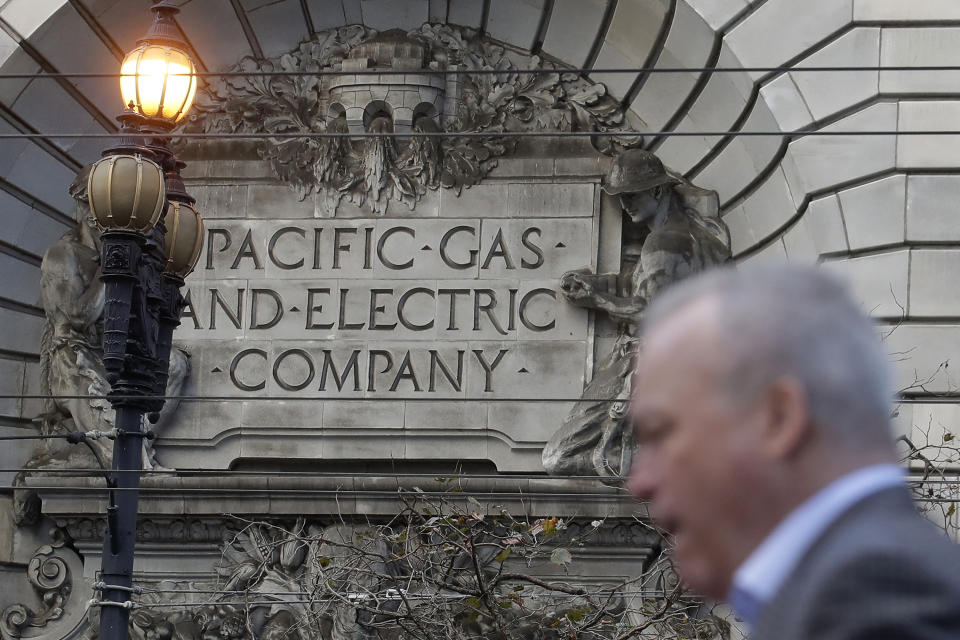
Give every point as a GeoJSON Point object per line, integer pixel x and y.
{"type": "Point", "coordinates": [761, 409]}
{"type": "Point", "coordinates": [679, 234]}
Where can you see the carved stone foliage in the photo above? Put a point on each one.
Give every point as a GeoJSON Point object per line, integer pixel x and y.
{"type": "Point", "coordinates": [54, 573]}
{"type": "Point", "coordinates": [308, 580]}
{"type": "Point", "coordinates": [396, 94]}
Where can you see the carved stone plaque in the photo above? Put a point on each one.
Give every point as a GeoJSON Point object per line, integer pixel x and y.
{"type": "Point", "coordinates": [352, 323]}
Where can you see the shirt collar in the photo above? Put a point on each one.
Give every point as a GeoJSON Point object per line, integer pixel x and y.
{"type": "Point", "coordinates": [764, 571]}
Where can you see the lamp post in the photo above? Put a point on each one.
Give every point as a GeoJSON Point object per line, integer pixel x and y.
{"type": "Point", "coordinates": [151, 235]}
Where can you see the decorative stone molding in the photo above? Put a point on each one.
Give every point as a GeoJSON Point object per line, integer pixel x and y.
{"type": "Point", "coordinates": [55, 573]}
{"type": "Point", "coordinates": [391, 96]}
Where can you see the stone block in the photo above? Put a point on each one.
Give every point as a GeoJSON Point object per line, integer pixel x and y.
{"type": "Point", "coordinates": [932, 214]}
{"type": "Point", "coordinates": [783, 98]}
{"type": "Point", "coordinates": [535, 248]}
{"type": "Point", "coordinates": [799, 245]}
{"type": "Point", "coordinates": [729, 172]}
{"type": "Point", "coordinates": [571, 30]}
{"type": "Point", "coordinates": [682, 153]}
{"type": "Point", "coordinates": [825, 161]}
{"type": "Point", "coordinates": [663, 93]}
{"type": "Point", "coordinates": [824, 223]}
{"type": "Point", "coordinates": [32, 407]}
{"type": "Point", "coordinates": [527, 422]}
{"type": "Point", "coordinates": [11, 384]}
{"type": "Point", "coordinates": [547, 200]}
{"type": "Point", "coordinates": [878, 282]}
{"type": "Point", "coordinates": [776, 32]}
{"type": "Point", "coordinates": [215, 32]}
{"type": "Point", "coordinates": [21, 280]}
{"type": "Point", "coordinates": [896, 10]}
{"type": "Point", "coordinates": [773, 253]}
{"type": "Point", "coordinates": [26, 16]}
{"type": "Point", "coordinates": [527, 370]}
{"type": "Point", "coordinates": [741, 234]}
{"type": "Point", "coordinates": [445, 416]}
{"type": "Point", "coordinates": [928, 151]}
{"type": "Point", "coordinates": [827, 93]}
{"type": "Point", "coordinates": [874, 213]}
{"type": "Point", "coordinates": [277, 27]}
{"type": "Point", "coordinates": [216, 201]}
{"type": "Point", "coordinates": [770, 207]}
{"type": "Point", "coordinates": [43, 177]}
{"type": "Point", "coordinates": [515, 21]}
{"type": "Point", "coordinates": [921, 353]}
{"type": "Point", "coordinates": [541, 166]}
{"type": "Point", "coordinates": [21, 331]}
{"type": "Point", "coordinates": [389, 14]}
{"type": "Point", "coordinates": [933, 283]}
{"type": "Point", "coordinates": [718, 12]}
{"type": "Point", "coordinates": [923, 46]}
{"type": "Point", "coordinates": [277, 201]}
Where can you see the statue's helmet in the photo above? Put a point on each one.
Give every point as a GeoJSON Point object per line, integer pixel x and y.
{"type": "Point", "coordinates": [636, 170]}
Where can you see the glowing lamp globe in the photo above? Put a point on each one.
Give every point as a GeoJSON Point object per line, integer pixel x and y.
{"type": "Point", "coordinates": [158, 79]}
{"type": "Point", "coordinates": [126, 193]}
{"type": "Point", "coordinates": [183, 239]}
{"type": "Point", "coordinates": [159, 82]}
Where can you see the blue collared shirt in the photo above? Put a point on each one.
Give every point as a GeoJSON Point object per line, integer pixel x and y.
{"type": "Point", "coordinates": [761, 575]}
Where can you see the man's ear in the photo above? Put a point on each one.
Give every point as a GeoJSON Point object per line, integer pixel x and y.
{"type": "Point", "coordinates": [787, 423]}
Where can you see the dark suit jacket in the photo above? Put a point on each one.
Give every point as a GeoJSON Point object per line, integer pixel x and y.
{"type": "Point", "coordinates": [880, 572]}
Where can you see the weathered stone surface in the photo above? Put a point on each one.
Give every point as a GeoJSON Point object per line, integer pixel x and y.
{"type": "Point", "coordinates": [918, 46]}
{"type": "Point", "coordinates": [826, 93]}
{"type": "Point", "coordinates": [879, 282]}
{"type": "Point", "coordinates": [874, 213]}
{"type": "Point", "coordinates": [933, 278]}
{"type": "Point", "coordinates": [932, 208]}
{"type": "Point", "coordinates": [928, 151]}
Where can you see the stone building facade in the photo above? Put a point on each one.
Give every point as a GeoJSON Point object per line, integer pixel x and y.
{"type": "Point", "coordinates": [382, 309]}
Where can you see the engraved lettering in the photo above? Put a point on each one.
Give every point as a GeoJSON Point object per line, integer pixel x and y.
{"type": "Point", "coordinates": [247, 250]}
{"type": "Point", "coordinates": [310, 370]}
{"type": "Point", "coordinates": [534, 249]}
{"type": "Point", "coordinates": [318, 308]}
{"type": "Point", "coordinates": [255, 306]}
{"type": "Point", "coordinates": [338, 245]}
{"type": "Point", "coordinates": [235, 364]}
{"type": "Point", "coordinates": [443, 249]}
{"type": "Point", "coordinates": [272, 245]}
{"type": "Point", "coordinates": [371, 366]}
{"type": "Point", "coordinates": [405, 372]}
{"type": "Point", "coordinates": [489, 367]}
{"type": "Point", "coordinates": [523, 310]}
{"type": "Point", "coordinates": [376, 309]}
{"type": "Point", "coordinates": [402, 304]}
{"type": "Point", "coordinates": [498, 250]}
{"type": "Point", "coordinates": [487, 308]}
{"type": "Point", "coordinates": [227, 241]}
{"type": "Point", "coordinates": [436, 362]}
{"type": "Point", "coordinates": [339, 380]}
{"type": "Point", "coordinates": [383, 241]}
{"type": "Point", "coordinates": [234, 315]}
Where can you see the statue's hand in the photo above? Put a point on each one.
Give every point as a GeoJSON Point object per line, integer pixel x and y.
{"type": "Point", "coordinates": [578, 287]}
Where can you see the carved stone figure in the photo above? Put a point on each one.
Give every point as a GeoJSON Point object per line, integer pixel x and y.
{"type": "Point", "coordinates": [71, 365]}
{"type": "Point", "coordinates": [396, 93]}
{"type": "Point", "coordinates": [677, 229]}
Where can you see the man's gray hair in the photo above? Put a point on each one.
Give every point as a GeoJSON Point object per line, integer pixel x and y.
{"type": "Point", "coordinates": [801, 322]}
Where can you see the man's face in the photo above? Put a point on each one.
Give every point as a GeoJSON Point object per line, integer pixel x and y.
{"type": "Point", "coordinates": [696, 458]}
{"type": "Point", "coordinates": [642, 206]}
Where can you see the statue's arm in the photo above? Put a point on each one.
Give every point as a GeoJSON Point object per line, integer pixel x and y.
{"type": "Point", "coordinates": [598, 291]}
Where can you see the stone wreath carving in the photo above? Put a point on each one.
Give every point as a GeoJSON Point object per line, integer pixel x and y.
{"type": "Point", "coordinates": [396, 94]}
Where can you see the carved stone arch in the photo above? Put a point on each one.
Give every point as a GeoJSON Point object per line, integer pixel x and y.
{"type": "Point", "coordinates": [376, 109]}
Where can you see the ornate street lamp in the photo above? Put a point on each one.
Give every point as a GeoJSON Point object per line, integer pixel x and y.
{"type": "Point", "coordinates": [151, 236]}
